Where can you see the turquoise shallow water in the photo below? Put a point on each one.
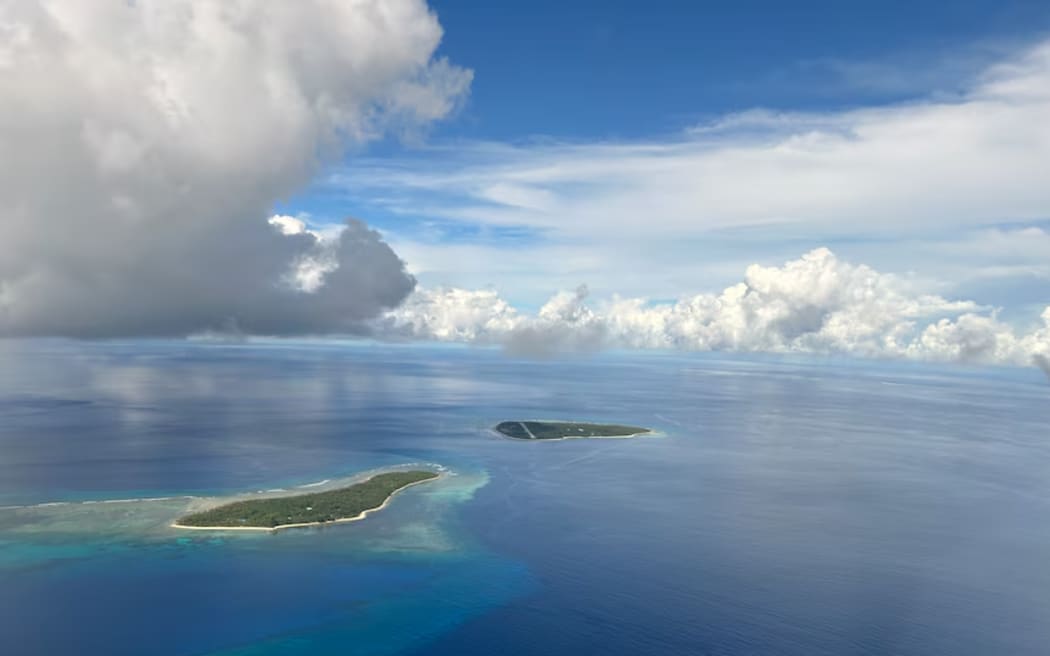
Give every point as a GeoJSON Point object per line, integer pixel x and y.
{"type": "Point", "coordinates": [789, 507]}
{"type": "Point", "coordinates": [110, 577]}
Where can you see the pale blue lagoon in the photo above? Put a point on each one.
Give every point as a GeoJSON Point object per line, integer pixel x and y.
{"type": "Point", "coordinates": [802, 507]}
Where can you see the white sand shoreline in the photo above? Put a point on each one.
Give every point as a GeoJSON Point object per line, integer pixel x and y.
{"type": "Point", "coordinates": [272, 529]}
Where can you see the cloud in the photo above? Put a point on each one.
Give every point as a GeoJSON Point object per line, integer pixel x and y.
{"type": "Point", "coordinates": [814, 304]}
{"type": "Point", "coordinates": [146, 143]}
{"type": "Point", "coordinates": [563, 324]}
{"type": "Point", "coordinates": [451, 315]}
{"type": "Point", "coordinates": [1043, 362]}
{"type": "Point", "coordinates": [310, 270]}
{"type": "Point", "coordinates": [971, 160]}
{"type": "Point", "coordinates": [759, 184]}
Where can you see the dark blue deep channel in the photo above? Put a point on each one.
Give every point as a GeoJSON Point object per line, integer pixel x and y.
{"type": "Point", "coordinates": [789, 507]}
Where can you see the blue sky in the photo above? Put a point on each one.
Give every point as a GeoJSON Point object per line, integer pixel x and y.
{"type": "Point", "coordinates": [620, 69]}
{"type": "Point", "coordinates": [828, 177]}
{"type": "Point", "coordinates": [555, 79]}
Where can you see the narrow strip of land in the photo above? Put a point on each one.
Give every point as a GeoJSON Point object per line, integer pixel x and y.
{"type": "Point", "coordinates": [346, 504]}
{"type": "Point", "coordinates": [563, 430]}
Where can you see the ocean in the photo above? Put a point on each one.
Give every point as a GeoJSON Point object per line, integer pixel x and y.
{"type": "Point", "coordinates": [787, 506]}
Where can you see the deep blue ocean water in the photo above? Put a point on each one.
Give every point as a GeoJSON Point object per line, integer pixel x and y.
{"type": "Point", "coordinates": [790, 507]}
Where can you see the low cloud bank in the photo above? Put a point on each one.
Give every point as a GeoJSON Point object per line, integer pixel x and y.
{"type": "Point", "coordinates": [815, 304]}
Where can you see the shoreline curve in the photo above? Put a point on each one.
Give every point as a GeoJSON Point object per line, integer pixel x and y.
{"type": "Point", "coordinates": [340, 520]}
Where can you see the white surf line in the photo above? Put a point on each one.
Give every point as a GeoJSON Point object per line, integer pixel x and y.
{"type": "Point", "coordinates": [96, 502]}
{"type": "Point", "coordinates": [242, 496]}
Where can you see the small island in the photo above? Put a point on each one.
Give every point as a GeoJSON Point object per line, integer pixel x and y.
{"type": "Point", "coordinates": [563, 430]}
{"type": "Point", "coordinates": [317, 508]}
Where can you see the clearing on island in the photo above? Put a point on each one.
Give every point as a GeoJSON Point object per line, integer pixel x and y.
{"type": "Point", "coordinates": [560, 430]}
{"type": "Point", "coordinates": [344, 504]}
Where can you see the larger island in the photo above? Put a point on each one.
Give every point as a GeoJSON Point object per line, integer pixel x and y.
{"type": "Point", "coordinates": [317, 508]}
{"type": "Point", "coordinates": [562, 430]}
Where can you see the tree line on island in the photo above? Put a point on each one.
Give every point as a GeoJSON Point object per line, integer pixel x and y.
{"type": "Point", "coordinates": [557, 430]}
{"type": "Point", "coordinates": [315, 507]}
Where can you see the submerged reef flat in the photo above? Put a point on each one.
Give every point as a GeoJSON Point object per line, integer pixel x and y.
{"type": "Point", "coordinates": [562, 430]}
{"type": "Point", "coordinates": [340, 505]}
{"type": "Point", "coordinates": [62, 530]}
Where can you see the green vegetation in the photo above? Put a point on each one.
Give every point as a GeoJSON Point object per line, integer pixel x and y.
{"type": "Point", "coordinates": [316, 507]}
{"type": "Point", "coordinates": [556, 430]}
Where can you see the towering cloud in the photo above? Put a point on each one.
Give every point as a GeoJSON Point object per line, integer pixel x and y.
{"type": "Point", "coordinates": [144, 144]}
{"type": "Point", "coordinates": [815, 304]}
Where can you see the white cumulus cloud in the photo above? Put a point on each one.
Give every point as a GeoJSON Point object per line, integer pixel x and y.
{"type": "Point", "coordinates": [815, 304]}
{"type": "Point", "coordinates": [452, 315]}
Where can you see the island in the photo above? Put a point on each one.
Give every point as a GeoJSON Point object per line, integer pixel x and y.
{"type": "Point", "coordinates": [563, 430]}
{"type": "Point", "coordinates": [317, 508]}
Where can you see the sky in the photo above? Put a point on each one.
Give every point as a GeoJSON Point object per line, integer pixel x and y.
{"type": "Point", "coordinates": [624, 70]}
{"type": "Point", "coordinates": [860, 178]}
